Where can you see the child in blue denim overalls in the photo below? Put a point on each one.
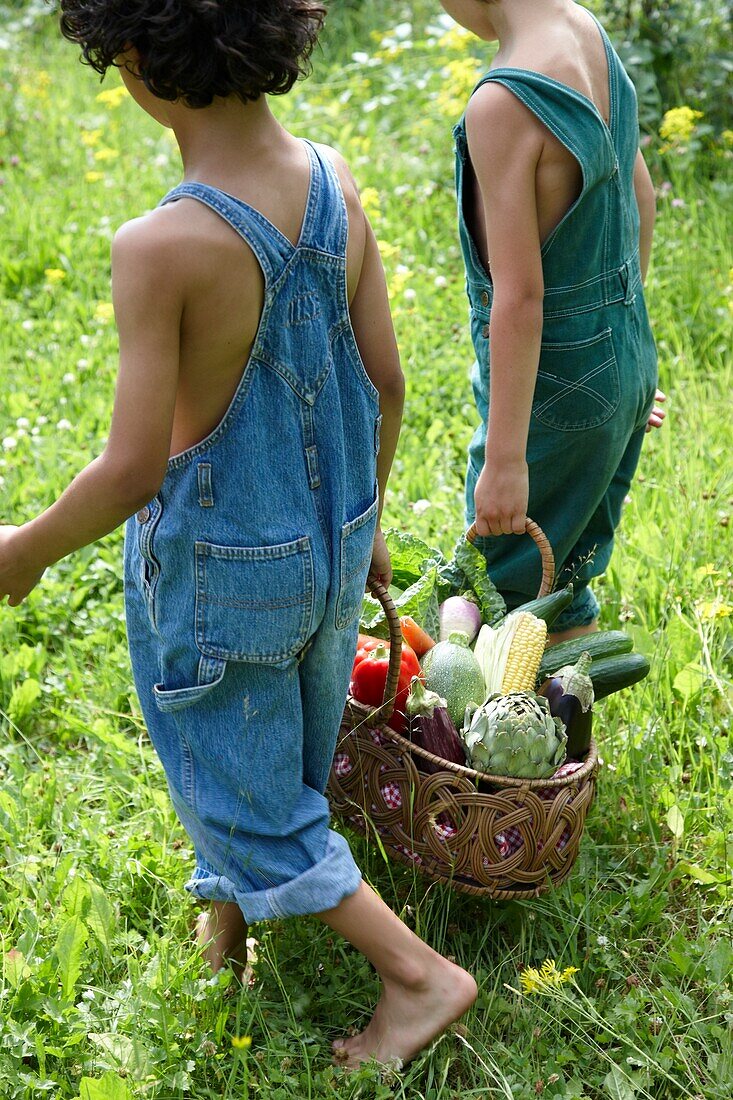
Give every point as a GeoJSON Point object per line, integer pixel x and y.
{"type": "Point", "coordinates": [556, 212]}
{"type": "Point", "coordinates": [251, 491]}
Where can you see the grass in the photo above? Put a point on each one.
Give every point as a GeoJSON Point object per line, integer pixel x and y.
{"type": "Point", "coordinates": [101, 995]}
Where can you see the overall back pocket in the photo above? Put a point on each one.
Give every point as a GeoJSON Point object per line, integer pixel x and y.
{"type": "Point", "coordinates": [254, 603]}
{"type": "Point", "coordinates": [577, 384]}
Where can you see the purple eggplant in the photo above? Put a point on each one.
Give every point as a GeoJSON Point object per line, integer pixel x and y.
{"type": "Point", "coordinates": [569, 691]}
{"type": "Point", "coordinates": [432, 728]}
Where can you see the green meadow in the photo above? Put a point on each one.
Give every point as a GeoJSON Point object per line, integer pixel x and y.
{"type": "Point", "coordinates": [102, 993]}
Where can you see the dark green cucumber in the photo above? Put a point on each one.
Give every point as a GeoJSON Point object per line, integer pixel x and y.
{"type": "Point", "coordinates": [602, 644]}
{"type": "Point", "coordinates": [614, 673]}
{"type": "Point", "coordinates": [549, 607]}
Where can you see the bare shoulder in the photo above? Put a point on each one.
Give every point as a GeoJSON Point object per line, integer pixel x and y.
{"type": "Point", "coordinates": [185, 245]}
{"type": "Point", "coordinates": [498, 124]}
{"type": "Point", "coordinates": [150, 245]}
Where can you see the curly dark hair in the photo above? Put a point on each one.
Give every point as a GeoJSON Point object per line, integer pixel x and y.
{"type": "Point", "coordinates": [193, 50]}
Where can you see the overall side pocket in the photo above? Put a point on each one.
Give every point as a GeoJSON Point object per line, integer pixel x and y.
{"type": "Point", "coordinates": [146, 522]}
{"type": "Point", "coordinates": [577, 383]}
{"type": "Point", "coordinates": [355, 554]}
{"type": "Point", "coordinates": [254, 603]}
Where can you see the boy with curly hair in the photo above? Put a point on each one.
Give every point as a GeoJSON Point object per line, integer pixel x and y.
{"type": "Point", "coordinates": [257, 365]}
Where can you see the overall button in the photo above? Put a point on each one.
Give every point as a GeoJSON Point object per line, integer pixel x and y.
{"type": "Point", "coordinates": [143, 515]}
{"type": "Point", "coordinates": [485, 332]}
{"type": "Point", "coordinates": [484, 297]}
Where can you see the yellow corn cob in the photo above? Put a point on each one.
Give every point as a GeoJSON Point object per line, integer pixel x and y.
{"type": "Point", "coordinates": [525, 654]}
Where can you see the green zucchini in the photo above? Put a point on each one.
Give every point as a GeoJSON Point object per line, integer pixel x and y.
{"type": "Point", "coordinates": [602, 644]}
{"type": "Point", "coordinates": [614, 673]}
{"type": "Point", "coordinates": [549, 607]}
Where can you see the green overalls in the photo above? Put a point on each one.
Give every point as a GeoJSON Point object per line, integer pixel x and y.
{"type": "Point", "coordinates": [598, 364]}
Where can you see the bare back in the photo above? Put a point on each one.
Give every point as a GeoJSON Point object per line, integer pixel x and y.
{"type": "Point", "coordinates": [573, 54]}
{"type": "Point", "coordinates": [224, 285]}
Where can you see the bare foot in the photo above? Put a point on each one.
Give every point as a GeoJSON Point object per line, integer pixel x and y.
{"type": "Point", "coordinates": [221, 933]}
{"type": "Point", "coordinates": [408, 1018]}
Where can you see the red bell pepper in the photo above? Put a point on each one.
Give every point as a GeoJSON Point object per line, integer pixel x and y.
{"type": "Point", "coordinates": [369, 676]}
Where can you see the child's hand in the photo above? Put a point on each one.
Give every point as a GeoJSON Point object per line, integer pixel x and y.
{"type": "Point", "coordinates": [501, 498]}
{"type": "Point", "coordinates": [17, 577]}
{"type": "Point", "coordinates": [657, 415]}
{"type": "Point", "coordinates": [381, 566]}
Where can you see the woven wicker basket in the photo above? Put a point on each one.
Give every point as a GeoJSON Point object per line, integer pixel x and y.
{"type": "Point", "coordinates": [484, 835]}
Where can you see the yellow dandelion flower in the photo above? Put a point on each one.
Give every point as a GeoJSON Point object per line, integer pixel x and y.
{"type": "Point", "coordinates": [546, 979]}
{"type": "Point", "coordinates": [714, 609]}
{"type": "Point", "coordinates": [93, 177]}
{"type": "Point", "coordinates": [112, 97]}
{"type": "Point", "coordinates": [241, 1042]}
{"type": "Point", "coordinates": [90, 137]}
{"type": "Point", "coordinates": [399, 281]}
{"type": "Point", "coordinates": [104, 312]}
{"type": "Point", "coordinates": [54, 275]}
{"type": "Point", "coordinates": [678, 125]}
{"type": "Point", "coordinates": [370, 201]}
{"type": "Point", "coordinates": [106, 154]}
{"type": "Point", "coordinates": [457, 38]}
{"type": "Point", "coordinates": [461, 77]}
{"type": "Point", "coordinates": [38, 89]}
{"type": "Point", "coordinates": [387, 250]}
{"type": "Point", "coordinates": [707, 570]}
{"type": "Point", "coordinates": [391, 52]}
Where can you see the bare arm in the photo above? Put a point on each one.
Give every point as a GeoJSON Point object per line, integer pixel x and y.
{"type": "Point", "coordinates": [505, 145]}
{"type": "Point", "coordinates": [646, 200]}
{"type": "Point", "coordinates": [148, 305]}
{"type": "Point", "coordinates": [372, 323]}
{"type": "Point", "coordinates": [647, 203]}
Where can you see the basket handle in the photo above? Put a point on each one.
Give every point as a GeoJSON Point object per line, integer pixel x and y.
{"type": "Point", "coordinates": [383, 714]}
{"type": "Point", "coordinates": [543, 545]}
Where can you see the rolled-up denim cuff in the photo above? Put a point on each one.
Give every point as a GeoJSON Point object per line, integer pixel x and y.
{"type": "Point", "coordinates": [582, 611]}
{"type": "Point", "coordinates": [323, 886]}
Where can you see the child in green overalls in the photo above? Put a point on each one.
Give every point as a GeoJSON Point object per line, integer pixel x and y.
{"type": "Point", "coordinates": [556, 214]}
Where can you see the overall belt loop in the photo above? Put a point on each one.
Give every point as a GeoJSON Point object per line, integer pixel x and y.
{"type": "Point", "coordinates": [206, 492]}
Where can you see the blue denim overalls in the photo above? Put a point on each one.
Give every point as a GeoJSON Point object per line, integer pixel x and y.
{"type": "Point", "coordinates": [244, 578]}
{"type": "Point", "coordinates": [598, 365]}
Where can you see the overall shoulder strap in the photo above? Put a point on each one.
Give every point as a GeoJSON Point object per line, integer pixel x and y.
{"type": "Point", "coordinates": [326, 226]}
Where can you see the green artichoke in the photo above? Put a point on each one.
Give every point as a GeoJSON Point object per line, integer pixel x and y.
{"type": "Point", "coordinates": [516, 735]}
